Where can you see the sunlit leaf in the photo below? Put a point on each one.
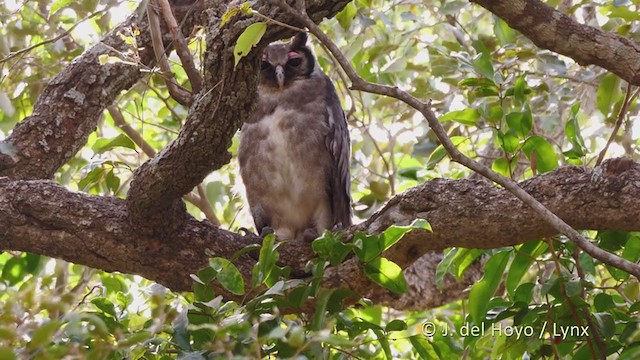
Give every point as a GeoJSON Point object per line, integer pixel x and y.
{"type": "Point", "coordinates": [387, 274]}
{"type": "Point", "coordinates": [101, 145]}
{"type": "Point", "coordinates": [248, 39]}
{"type": "Point", "coordinates": [608, 93]}
{"type": "Point", "coordinates": [545, 154]}
{"type": "Point", "coordinates": [467, 117]}
{"type": "Point", "coordinates": [59, 4]}
{"type": "Point", "coordinates": [228, 275]}
{"type": "Point", "coordinates": [485, 288]}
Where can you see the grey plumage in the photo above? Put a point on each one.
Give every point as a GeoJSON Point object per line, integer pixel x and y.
{"type": "Point", "coordinates": [294, 149]}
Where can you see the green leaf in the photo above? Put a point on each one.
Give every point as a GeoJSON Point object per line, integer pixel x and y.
{"type": "Point", "coordinates": [608, 93]}
{"type": "Point", "coordinates": [572, 130]}
{"type": "Point", "coordinates": [606, 324]}
{"type": "Point", "coordinates": [6, 353]}
{"type": "Point", "coordinates": [423, 347]}
{"type": "Point", "coordinates": [112, 181]}
{"type": "Point", "coordinates": [228, 275]}
{"type": "Point", "coordinates": [248, 39]}
{"type": "Point", "coordinates": [440, 152]}
{"type": "Point", "coordinates": [319, 316]}
{"type": "Point", "coordinates": [266, 261]}
{"type": "Point", "coordinates": [603, 302]}
{"type": "Point", "coordinates": [483, 290]}
{"type": "Point", "coordinates": [44, 334]}
{"type": "Point", "coordinates": [520, 122]}
{"type": "Point", "coordinates": [232, 11]}
{"type": "Point", "coordinates": [631, 249]}
{"type": "Point", "coordinates": [59, 4]}
{"type": "Point", "coordinates": [494, 112]}
{"type": "Point", "coordinates": [122, 140]}
{"type": "Point", "coordinates": [519, 89]}
{"type": "Point", "coordinates": [394, 233]}
{"type": "Point", "coordinates": [436, 156]}
{"type": "Point", "coordinates": [484, 82]}
{"type": "Point", "coordinates": [106, 306]}
{"type": "Point", "coordinates": [468, 117]}
{"type": "Point", "coordinates": [396, 325]}
{"type": "Point", "coordinates": [505, 167]}
{"type": "Point", "coordinates": [91, 178]}
{"type": "Point", "coordinates": [482, 64]}
{"type": "Point", "coordinates": [367, 247]}
{"type": "Point", "coordinates": [14, 270]}
{"type": "Point", "coordinates": [347, 14]}
{"type": "Point", "coordinates": [503, 32]}
{"type": "Point", "coordinates": [445, 266]}
{"type": "Point", "coordinates": [384, 343]}
{"type": "Point", "coordinates": [330, 247]}
{"type": "Point", "coordinates": [525, 256]}
{"type": "Point", "coordinates": [386, 273]}
{"type": "Point", "coordinates": [508, 141]}
{"type": "Point", "coordinates": [545, 155]}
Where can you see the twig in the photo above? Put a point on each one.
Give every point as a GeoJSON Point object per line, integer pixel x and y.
{"type": "Point", "coordinates": [118, 120]}
{"type": "Point", "coordinates": [205, 206]}
{"type": "Point", "coordinates": [181, 47]}
{"type": "Point", "coordinates": [425, 108]}
{"type": "Point", "coordinates": [628, 99]}
{"type": "Point", "coordinates": [563, 289]}
{"type": "Point", "coordinates": [54, 39]}
{"type": "Point", "coordinates": [200, 201]}
{"type": "Point", "coordinates": [179, 93]}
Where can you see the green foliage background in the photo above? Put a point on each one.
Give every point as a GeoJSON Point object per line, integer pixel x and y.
{"type": "Point", "coordinates": [503, 101]}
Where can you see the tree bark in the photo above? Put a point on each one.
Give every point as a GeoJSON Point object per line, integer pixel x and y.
{"type": "Point", "coordinates": [42, 217]}
{"type": "Point", "coordinates": [103, 232]}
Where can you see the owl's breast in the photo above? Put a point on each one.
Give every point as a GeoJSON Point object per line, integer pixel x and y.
{"type": "Point", "coordinates": [282, 162]}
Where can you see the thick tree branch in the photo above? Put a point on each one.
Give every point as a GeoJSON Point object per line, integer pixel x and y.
{"type": "Point", "coordinates": [550, 29]}
{"type": "Point", "coordinates": [44, 218]}
{"type": "Point", "coordinates": [216, 115]}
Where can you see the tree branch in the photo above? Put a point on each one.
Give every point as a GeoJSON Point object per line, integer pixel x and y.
{"type": "Point", "coordinates": [44, 218]}
{"type": "Point", "coordinates": [550, 29]}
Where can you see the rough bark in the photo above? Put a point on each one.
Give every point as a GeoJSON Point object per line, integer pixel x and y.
{"type": "Point", "coordinates": [217, 113]}
{"type": "Point", "coordinates": [102, 232]}
{"type": "Point", "coordinates": [550, 29]}
{"type": "Point", "coordinates": [42, 217]}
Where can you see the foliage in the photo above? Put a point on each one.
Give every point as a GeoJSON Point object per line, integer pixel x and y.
{"type": "Point", "coordinates": [517, 108]}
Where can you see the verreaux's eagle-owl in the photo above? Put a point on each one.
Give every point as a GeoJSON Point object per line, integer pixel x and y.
{"type": "Point", "coordinates": [294, 149]}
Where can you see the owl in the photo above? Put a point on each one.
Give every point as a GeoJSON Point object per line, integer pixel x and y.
{"type": "Point", "coordinates": [294, 148]}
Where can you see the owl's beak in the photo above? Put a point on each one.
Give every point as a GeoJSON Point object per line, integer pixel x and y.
{"type": "Point", "coordinates": [280, 76]}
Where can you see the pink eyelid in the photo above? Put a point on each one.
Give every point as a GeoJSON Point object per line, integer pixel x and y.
{"type": "Point", "coordinates": [264, 57]}
{"type": "Point", "coordinates": [293, 55]}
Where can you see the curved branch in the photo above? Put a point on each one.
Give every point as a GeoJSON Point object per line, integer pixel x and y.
{"type": "Point", "coordinates": [550, 29]}
{"type": "Point", "coordinates": [44, 218]}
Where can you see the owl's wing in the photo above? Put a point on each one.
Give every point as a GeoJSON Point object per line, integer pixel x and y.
{"type": "Point", "coordinates": [339, 146]}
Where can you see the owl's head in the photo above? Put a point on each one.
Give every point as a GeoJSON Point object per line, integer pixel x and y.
{"type": "Point", "coordinates": [283, 63]}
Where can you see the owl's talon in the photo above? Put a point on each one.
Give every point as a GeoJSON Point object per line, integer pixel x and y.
{"type": "Point", "coordinates": [309, 235]}
{"type": "Point", "coordinates": [266, 231]}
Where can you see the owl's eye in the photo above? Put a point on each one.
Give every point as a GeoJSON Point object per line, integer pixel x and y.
{"type": "Point", "coordinates": [295, 59]}
{"type": "Point", "coordinates": [294, 62]}
{"type": "Point", "coordinates": [265, 65]}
